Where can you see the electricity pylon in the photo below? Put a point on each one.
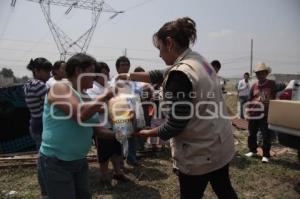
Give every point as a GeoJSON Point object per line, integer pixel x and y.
{"type": "Point", "coordinates": [67, 46]}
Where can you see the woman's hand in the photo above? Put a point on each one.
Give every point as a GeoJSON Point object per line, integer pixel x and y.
{"type": "Point", "coordinates": [109, 92]}
{"type": "Point", "coordinates": [147, 133]}
{"type": "Point", "coordinates": [147, 91]}
{"type": "Point", "coordinates": [123, 76]}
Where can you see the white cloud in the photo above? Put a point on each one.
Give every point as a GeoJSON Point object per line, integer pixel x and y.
{"type": "Point", "coordinates": [221, 33]}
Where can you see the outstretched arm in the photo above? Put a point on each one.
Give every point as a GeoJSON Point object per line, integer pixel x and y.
{"type": "Point", "coordinates": [135, 76]}
{"type": "Point", "coordinates": [153, 76]}
{"type": "Point", "coordinates": [62, 97]}
{"type": "Point", "coordinates": [175, 124]}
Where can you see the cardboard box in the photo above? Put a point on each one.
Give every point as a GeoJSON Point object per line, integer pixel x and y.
{"type": "Point", "coordinates": [284, 113]}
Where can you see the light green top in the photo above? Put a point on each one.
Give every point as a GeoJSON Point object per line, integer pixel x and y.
{"type": "Point", "coordinates": [65, 139]}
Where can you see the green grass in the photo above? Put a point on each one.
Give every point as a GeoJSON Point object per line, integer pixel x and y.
{"type": "Point", "coordinates": [155, 179]}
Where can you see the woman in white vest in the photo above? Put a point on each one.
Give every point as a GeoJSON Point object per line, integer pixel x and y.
{"type": "Point", "coordinates": [201, 136]}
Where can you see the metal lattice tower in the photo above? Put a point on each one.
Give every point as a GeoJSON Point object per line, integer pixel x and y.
{"type": "Point", "coordinates": [66, 46]}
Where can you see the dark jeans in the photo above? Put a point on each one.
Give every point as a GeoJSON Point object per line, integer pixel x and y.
{"type": "Point", "coordinates": [65, 179]}
{"type": "Point", "coordinates": [254, 126]}
{"type": "Point", "coordinates": [243, 100]}
{"type": "Point", "coordinates": [141, 143]}
{"type": "Point", "coordinates": [36, 129]}
{"type": "Point", "coordinates": [193, 187]}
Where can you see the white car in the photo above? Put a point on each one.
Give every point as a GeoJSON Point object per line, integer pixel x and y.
{"type": "Point", "coordinates": [287, 136]}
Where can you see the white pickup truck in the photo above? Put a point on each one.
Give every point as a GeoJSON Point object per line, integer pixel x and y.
{"type": "Point", "coordinates": [284, 116]}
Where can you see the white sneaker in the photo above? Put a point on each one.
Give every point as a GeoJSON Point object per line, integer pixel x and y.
{"type": "Point", "coordinates": [265, 160]}
{"type": "Point", "coordinates": [250, 154]}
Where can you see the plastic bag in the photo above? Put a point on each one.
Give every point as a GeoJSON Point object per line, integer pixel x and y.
{"type": "Point", "coordinates": [132, 91]}
{"type": "Point", "coordinates": [126, 112]}
{"type": "Point", "coordinates": [121, 115]}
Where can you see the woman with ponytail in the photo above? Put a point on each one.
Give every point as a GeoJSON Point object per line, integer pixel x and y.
{"type": "Point", "coordinates": [201, 139]}
{"type": "Point", "coordinates": [35, 90]}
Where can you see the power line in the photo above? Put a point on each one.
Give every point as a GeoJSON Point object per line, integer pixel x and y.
{"type": "Point", "coordinates": [36, 43]}
{"type": "Point", "coordinates": [25, 41]}
{"type": "Point", "coordinates": [12, 60]}
{"type": "Point", "coordinates": [13, 3]}
{"type": "Point", "coordinates": [92, 46]}
{"type": "Point", "coordinates": [66, 45]}
{"type": "Point", "coordinates": [138, 5]}
{"type": "Point", "coordinates": [102, 59]}
{"type": "Point", "coordinates": [80, 4]}
{"type": "Point", "coordinates": [23, 50]}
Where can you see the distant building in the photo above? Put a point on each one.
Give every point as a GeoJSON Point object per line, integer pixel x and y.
{"type": "Point", "coordinates": [6, 81]}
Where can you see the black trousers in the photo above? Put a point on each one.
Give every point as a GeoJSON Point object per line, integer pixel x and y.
{"type": "Point", "coordinates": [193, 187]}
{"type": "Point", "coordinates": [254, 126]}
{"type": "Point", "coordinates": [243, 100]}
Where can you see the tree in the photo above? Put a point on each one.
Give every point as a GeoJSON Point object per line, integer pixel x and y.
{"type": "Point", "coordinates": [7, 72]}
{"type": "Point", "coordinates": [25, 78]}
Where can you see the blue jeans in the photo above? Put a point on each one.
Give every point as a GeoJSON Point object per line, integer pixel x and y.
{"type": "Point", "coordinates": [243, 100]}
{"type": "Point", "coordinates": [131, 157]}
{"type": "Point", "coordinates": [65, 179]}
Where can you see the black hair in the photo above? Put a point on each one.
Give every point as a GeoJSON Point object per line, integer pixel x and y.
{"type": "Point", "coordinates": [79, 60]}
{"type": "Point", "coordinates": [57, 65]}
{"type": "Point", "coordinates": [39, 63]}
{"type": "Point", "coordinates": [182, 30]}
{"type": "Point", "coordinates": [121, 59]}
{"type": "Point", "coordinates": [246, 73]}
{"type": "Point", "coordinates": [139, 69]}
{"type": "Point", "coordinates": [100, 66]}
{"type": "Point", "coordinates": [216, 64]}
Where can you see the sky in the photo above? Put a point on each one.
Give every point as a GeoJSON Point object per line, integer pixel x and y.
{"type": "Point", "coordinates": [224, 30]}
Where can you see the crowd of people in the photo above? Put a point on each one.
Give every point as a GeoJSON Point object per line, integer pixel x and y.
{"type": "Point", "coordinates": [64, 107]}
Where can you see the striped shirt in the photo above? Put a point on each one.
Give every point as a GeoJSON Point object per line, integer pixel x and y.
{"type": "Point", "coordinates": [35, 91]}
